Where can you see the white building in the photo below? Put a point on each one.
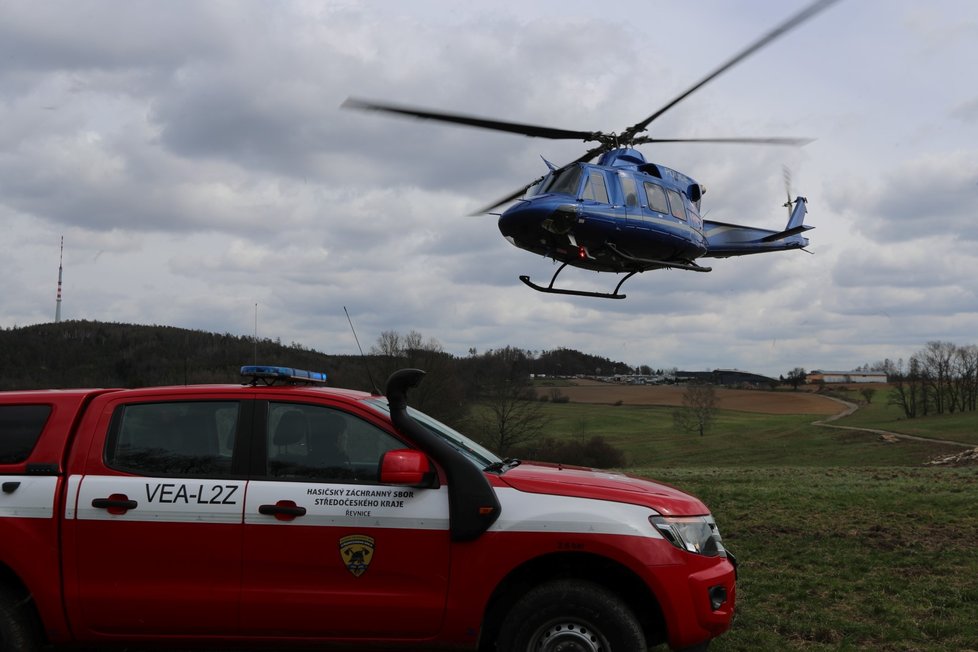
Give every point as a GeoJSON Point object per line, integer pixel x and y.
{"type": "Point", "coordinates": [819, 376]}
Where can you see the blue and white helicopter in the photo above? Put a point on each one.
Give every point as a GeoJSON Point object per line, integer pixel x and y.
{"type": "Point", "coordinates": [624, 214]}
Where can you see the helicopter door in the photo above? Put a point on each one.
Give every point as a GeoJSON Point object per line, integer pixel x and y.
{"type": "Point", "coordinates": [633, 206]}
{"type": "Point", "coordinates": [596, 198]}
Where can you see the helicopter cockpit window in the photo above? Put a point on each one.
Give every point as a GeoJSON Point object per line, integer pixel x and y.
{"type": "Point", "coordinates": [694, 216]}
{"type": "Point", "coordinates": [595, 189]}
{"type": "Point", "coordinates": [657, 198]}
{"type": "Point", "coordinates": [537, 187]}
{"type": "Point", "coordinates": [565, 182]}
{"type": "Point", "coordinates": [676, 201]}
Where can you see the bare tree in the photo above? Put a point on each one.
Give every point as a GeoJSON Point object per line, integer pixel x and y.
{"type": "Point", "coordinates": [908, 388]}
{"type": "Point", "coordinates": [441, 394]}
{"type": "Point", "coordinates": [967, 368]}
{"type": "Point", "coordinates": [510, 415]}
{"type": "Point", "coordinates": [936, 361]}
{"type": "Point", "coordinates": [512, 418]}
{"type": "Point", "coordinates": [796, 377]}
{"type": "Point", "coordinates": [698, 410]}
{"type": "Point", "coordinates": [942, 378]}
{"type": "Point", "coordinates": [388, 345]}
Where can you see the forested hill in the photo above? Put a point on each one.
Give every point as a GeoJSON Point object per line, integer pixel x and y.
{"type": "Point", "coordinates": [99, 354]}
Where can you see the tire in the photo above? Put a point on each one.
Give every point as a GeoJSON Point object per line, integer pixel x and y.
{"type": "Point", "coordinates": [570, 616]}
{"type": "Point", "coordinates": [18, 626]}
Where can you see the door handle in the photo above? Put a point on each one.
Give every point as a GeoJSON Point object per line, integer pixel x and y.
{"type": "Point", "coordinates": [283, 510]}
{"type": "Point", "coordinates": [116, 503]}
{"type": "Point", "coordinates": [10, 487]}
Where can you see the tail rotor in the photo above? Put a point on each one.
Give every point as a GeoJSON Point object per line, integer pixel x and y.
{"type": "Point", "coordinates": [786, 174]}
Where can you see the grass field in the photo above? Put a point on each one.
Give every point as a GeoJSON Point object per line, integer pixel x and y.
{"type": "Point", "coordinates": [752, 427]}
{"type": "Point", "coordinates": [648, 437]}
{"type": "Point", "coordinates": [845, 541]}
{"type": "Point", "coordinates": [961, 426]}
{"type": "Point", "coordinates": [835, 558]}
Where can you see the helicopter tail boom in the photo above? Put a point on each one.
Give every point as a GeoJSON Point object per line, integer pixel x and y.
{"type": "Point", "coordinates": [724, 240]}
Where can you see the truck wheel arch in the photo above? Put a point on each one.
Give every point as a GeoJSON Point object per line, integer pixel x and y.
{"type": "Point", "coordinates": [586, 567]}
{"type": "Point", "coordinates": [20, 626]}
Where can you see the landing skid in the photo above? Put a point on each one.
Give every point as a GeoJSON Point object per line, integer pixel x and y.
{"type": "Point", "coordinates": [550, 289]}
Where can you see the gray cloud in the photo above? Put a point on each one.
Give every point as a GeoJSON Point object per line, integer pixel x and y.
{"type": "Point", "coordinates": [197, 162]}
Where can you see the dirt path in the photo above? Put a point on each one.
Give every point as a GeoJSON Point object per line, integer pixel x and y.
{"type": "Point", "coordinates": [852, 407]}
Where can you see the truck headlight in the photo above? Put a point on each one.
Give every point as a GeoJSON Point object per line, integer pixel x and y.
{"type": "Point", "coordinates": [696, 534]}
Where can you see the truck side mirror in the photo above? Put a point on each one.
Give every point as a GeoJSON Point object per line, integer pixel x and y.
{"type": "Point", "coordinates": [406, 466]}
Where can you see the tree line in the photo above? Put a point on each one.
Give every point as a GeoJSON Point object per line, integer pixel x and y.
{"type": "Point", "coordinates": [487, 395]}
{"type": "Point", "coordinates": [941, 378]}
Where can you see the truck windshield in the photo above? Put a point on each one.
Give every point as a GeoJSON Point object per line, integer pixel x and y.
{"type": "Point", "coordinates": [474, 452]}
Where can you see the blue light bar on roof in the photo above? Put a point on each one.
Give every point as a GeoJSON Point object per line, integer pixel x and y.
{"type": "Point", "coordinates": [284, 374]}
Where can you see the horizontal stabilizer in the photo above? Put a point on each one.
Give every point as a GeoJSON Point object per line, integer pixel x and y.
{"type": "Point", "coordinates": [787, 233]}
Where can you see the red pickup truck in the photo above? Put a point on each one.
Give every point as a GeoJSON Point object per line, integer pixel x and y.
{"type": "Point", "coordinates": [285, 513]}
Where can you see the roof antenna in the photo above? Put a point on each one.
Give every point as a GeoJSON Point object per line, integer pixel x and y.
{"type": "Point", "coordinates": [366, 366]}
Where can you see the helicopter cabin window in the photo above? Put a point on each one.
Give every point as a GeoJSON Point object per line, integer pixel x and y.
{"type": "Point", "coordinates": [565, 182]}
{"type": "Point", "coordinates": [657, 197]}
{"type": "Point", "coordinates": [676, 200]}
{"type": "Point", "coordinates": [629, 190]}
{"type": "Point", "coordinates": [595, 188]}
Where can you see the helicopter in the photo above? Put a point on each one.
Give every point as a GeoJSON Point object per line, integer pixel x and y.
{"type": "Point", "coordinates": [624, 214]}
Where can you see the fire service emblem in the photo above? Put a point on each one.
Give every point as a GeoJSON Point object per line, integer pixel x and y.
{"type": "Point", "coordinates": [357, 550]}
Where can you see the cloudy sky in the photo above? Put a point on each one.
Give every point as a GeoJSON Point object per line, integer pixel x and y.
{"type": "Point", "coordinates": [196, 161]}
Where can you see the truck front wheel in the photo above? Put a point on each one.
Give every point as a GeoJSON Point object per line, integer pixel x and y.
{"type": "Point", "coordinates": [570, 616]}
{"type": "Point", "coordinates": [18, 630]}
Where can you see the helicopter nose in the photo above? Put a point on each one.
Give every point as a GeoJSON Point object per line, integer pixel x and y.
{"type": "Point", "coordinates": [514, 222]}
{"type": "Point", "coordinates": [529, 218]}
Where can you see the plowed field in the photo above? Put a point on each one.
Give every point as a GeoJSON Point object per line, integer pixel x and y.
{"type": "Point", "coordinates": [745, 400]}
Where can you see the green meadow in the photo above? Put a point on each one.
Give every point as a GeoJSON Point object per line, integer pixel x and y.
{"type": "Point", "coordinates": [846, 541]}
{"type": "Point", "coordinates": [846, 558]}
{"type": "Point", "coordinates": [648, 437]}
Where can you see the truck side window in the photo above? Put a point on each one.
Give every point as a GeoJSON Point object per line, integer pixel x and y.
{"type": "Point", "coordinates": [20, 428]}
{"type": "Point", "coordinates": [317, 443]}
{"type": "Point", "coordinates": [193, 438]}
{"type": "Point", "coordinates": [657, 197]}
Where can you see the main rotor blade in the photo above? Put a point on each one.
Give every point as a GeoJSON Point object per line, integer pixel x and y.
{"type": "Point", "coordinates": [780, 30]}
{"type": "Point", "coordinates": [796, 142]}
{"type": "Point", "coordinates": [472, 121]}
{"type": "Point", "coordinates": [508, 198]}
{"type": "Point", "coordinates": [587, 156]}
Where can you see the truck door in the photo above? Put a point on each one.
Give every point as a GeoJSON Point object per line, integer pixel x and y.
{"type": "Point", "coordinates": [329, 552]}
{"type": "Point", "coordinates": [154, 525]}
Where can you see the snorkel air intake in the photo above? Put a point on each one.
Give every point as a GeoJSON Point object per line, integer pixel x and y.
{"type": "Point", "coordinates": [472, 504]}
